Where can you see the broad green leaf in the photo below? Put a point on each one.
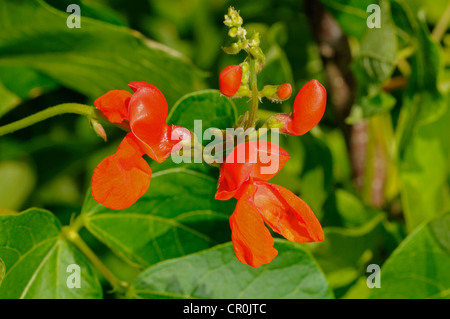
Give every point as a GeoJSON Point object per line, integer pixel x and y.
{"type": "Point", "coordinates": [216, 273]}
{"type": "Point", "coordinates": [350, 14]}
{"type": "Point", "coordinates": [344, 253]}
{"type": "Point", "coordinates": [424, 170]}
{"type": "Point", "coordinates": [422, 129]}
{"type": "Point", "coordinates": [178, 215]}
{"type": "Point", "coordinates": [92, 59]}
{"type": "Point", "coordinates": [17, 182]}
{"type": "Point", "coordinates": [36, 259]}
{"type": "Point", "coordinates": [209, 106]}
{"type": "Point", "coordinates": [418, 268]}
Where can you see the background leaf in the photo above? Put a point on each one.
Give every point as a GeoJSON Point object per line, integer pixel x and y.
{"type": "Point", "coordinates": [345, 253]}
{"type": "Point", "coordinates": [209, 106]}
{"type": "Point", "coordinates": [92, 59]}
{"type": "Point", "coordinates": [216, 273]}
{"type": "Point", "coordinates": [36, 259]}
{"type": "Point", "coordinates": [418, 268]}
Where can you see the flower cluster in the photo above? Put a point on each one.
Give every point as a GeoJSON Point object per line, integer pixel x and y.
{"type": "Point", "coordinates": [122, 178]}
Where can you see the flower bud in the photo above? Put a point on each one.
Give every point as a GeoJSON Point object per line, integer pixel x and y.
{"type": "Point", "coordinates": [309, 107]}
{"type": "Point", "coordinates": [284, 91]}
{"type": "Point", "coordinates": [233, 48]}
{"type": "Point", "coordinates": [277, 93]}
{"type": "Point", "coordinates": [230, 80]}
{"type": "Point", "coordinates": [98, 129]}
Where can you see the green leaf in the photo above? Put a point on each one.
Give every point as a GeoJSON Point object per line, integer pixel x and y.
{"type": "Point", "coordinates": [350, 14]}
{"type": "Point", "coordinates": [178, 215]}
{"type": "Point", "coordinates": [418, 268]}
{"type": "Point", "coordinates": [18, 181]}
{"type": "Point", "coordinates": [36, 259]}
{"type": "Point", "coordinates": [424, 169]}
{"type": "Point", "coordinates": [209, 106]}
{"type": "Point", "coordinates": [344, 253]}
{"type": "Point", "coordinates": [216, 273]}
{"type": "Point", "coordinates": [422, 130]}
{"type": "Point", "coordinates": [92, 59]}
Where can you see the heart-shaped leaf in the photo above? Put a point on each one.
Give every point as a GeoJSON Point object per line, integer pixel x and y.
{"type": "Point", "coordinates": [418, 268]}
{"type": "Point", "coordinates": [209, 106]}
{"type": "Point", "coordinates": [217, 273]}
{"type": "Point", "coordinates": [37, 259]}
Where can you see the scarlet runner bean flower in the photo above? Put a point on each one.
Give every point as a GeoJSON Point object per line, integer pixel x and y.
{"type": "Point", "coordinates": [230, 80]}
{"type": "Point", "coordinates": [308, 110]}
{"type": "Point", "coordinates": [122, 178]}
{"type": "Point", "coordinates": [242, 176]}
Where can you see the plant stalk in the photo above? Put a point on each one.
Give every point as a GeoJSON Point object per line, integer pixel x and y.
{"type": "Point", "coordinates": [89, 111]}
{"type": "Point", "coordinates": [73, 237]}
{"type": "Point", "coordinates": [255, 93]}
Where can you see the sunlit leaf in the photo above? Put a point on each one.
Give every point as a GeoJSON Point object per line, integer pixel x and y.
{"type": "Point", "coordinates": [418, 268]}
{"type": "Point", "coordinates": [216, 273]}
{"type": "Point", "coordinates": [36, 259]}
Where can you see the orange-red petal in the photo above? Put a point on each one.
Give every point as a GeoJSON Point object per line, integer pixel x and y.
{"type": "Point", "coordinates": [309, 107]}
{"type": "Point", "coordinates": [252, 241]}
{"type": "Point", "coordinates": [286, 213]}
{"type": "Point", "coordinates": [148, 114]}
{"type": "Point", "coordinates": [260, 160]}
{"type": "Point", "coordinates": [114, 105]}
{"type": "Point", "coordinates": [122, 178]}
{"type": "Point", "coordinates": [230, 80]}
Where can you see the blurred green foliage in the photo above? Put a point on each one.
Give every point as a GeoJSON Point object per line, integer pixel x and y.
{"type": "Point", "coordinates": [400, 96]}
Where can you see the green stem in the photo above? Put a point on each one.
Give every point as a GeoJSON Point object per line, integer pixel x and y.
{"type": "Point", "coordinates": [89, 111]}
{"type": "Point", "coordinates": [255, 93]}
{"type": "Point", "coordinates": [72, 236]}
{"type": "Point", "coordinates": [442, 25]}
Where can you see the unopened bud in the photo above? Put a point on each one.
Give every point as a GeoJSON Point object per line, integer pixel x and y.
{"type": "Point", "coordinates": [254, 40]}
{"type": "Point", "coordinates": [233, 32]}
{"type": "Point", "coordinates": [98, 129]}
{"type": "Point", "coordinates": [277, 93]}
{"type": "Point", "coordinates": [233, 48]}
{"type": "Point", "coordinates": [233, 19]}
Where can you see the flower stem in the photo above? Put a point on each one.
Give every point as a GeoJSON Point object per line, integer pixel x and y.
{"type": "Point", "coordinates": [89, 111]}
{"type": "Point", "coordinates": [72, 236]}
{"type": "Point", "coordinates": [255, 93]}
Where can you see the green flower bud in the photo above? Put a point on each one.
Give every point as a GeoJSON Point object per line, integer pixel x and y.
{"type": "Point", "coordinates": [98, 129]}
{"type": "Point", "coordinates": [233, 48]}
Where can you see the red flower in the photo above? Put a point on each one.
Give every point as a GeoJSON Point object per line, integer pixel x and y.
{"type": "Point", "coordinates": [309, 107]}
{"type": "Point", "coordinates": [260, 202]}
{"type": "Point", "coordinates": [230, 80]}
{"type": "Point", "coordinates": [122, 178]}
{"type": "Point", "coordinates": [284, 91]}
